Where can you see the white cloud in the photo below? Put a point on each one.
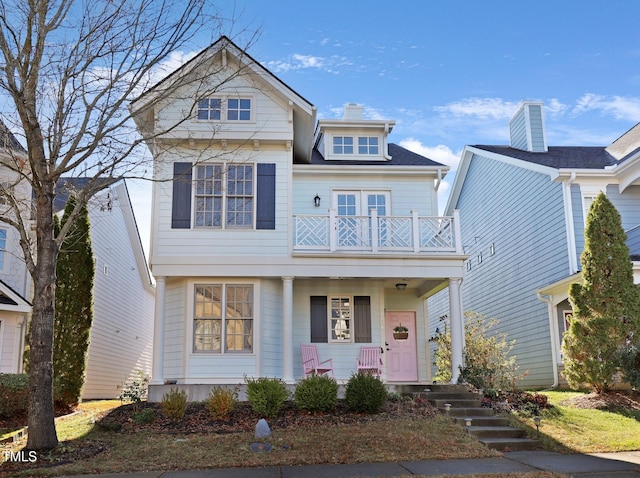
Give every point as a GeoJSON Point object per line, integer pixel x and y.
{"type": "Point", "coordinates": [495, 108]}
{"type": "Point", "coordinates": [296, 62]}
{"type": "Point", "coordinates": [620, 107]}
{"type": "Point", "coordinates": [440, 153]}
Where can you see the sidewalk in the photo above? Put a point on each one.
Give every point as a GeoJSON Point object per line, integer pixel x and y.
{"type": "Point", "coordinates": [603, 465]}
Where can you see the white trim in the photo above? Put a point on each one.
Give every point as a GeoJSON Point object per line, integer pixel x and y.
{"type": "Point", "coordinates": [569, 227]}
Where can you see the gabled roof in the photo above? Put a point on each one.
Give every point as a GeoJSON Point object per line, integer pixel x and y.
{"type": "Point", "coordinates": [399, 157]}
{"type": "Point", "coordinates": [8, 140]}
{"type": "Point", "coordinates": [11, 300]}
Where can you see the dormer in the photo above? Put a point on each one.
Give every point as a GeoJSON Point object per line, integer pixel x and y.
{"type": "Point", "coordinates": [353, 138]}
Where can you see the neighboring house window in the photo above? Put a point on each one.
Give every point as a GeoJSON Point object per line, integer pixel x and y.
{"type": "Point", "coordinates": [224, 193]}
{"type": "Point", "coordinates": [342, 145]}
{"type": "Point", "coordinates": [3, 246]}
{"type": "Point", "coordinates": [223, 314]}
{"type": "Point", "coordinates": [340, 319]}
{"type": "Point", "coordinates": [586, 205]}
{"type": "Point", "coordinates": [367, 145]}
{"type": "Point", "coordinates": [235, 109]}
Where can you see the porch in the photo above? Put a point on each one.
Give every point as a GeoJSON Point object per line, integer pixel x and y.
{"type": "Point", "coordinates": [375, 233]}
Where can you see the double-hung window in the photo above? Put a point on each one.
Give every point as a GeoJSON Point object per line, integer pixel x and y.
{"type": "Point", "coordinates": [340, 322]}
{"type": "Point", "coordinates": [223, 318]}
{"type": "Point", "coordinates": [224, 196]}
{"type": "Point", "coordinates": [228, 108]}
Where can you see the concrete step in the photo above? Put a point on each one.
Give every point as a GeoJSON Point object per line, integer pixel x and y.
{"type": "Point", "coordinates": [511, 444]}
{"type": "Point", "coordinates": [455, 403]}
{"type": "Point", "coordinates": [494, 432]}
{"type": "Point", "coordinates": [468, 412]}
{"type": "Point", "coordinates": [483, 421]}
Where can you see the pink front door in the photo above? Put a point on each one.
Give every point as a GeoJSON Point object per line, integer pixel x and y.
{"type": "Point", "coordinates": [401, 355]}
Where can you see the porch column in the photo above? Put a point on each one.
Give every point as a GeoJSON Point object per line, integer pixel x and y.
{"type": "Point", "coordinates": [457, 328]}
{"type": "Point", "coordinates": [287, 329]}
{"type": "Point", "coordinates": [157, 377]}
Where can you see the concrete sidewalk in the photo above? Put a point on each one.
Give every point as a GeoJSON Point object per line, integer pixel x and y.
{"type": "Point", "coordinates": [603, 465]}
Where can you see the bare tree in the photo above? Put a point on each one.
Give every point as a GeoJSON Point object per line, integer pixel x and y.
{"type": "Point", "coordinates": [69, 70]}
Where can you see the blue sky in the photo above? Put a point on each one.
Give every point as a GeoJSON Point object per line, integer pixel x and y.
{"type": "Point", "coordinates": [452, 73]}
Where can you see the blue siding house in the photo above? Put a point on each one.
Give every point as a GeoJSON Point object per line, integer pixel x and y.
{"type": "Point", "coordinates": [522, 213]}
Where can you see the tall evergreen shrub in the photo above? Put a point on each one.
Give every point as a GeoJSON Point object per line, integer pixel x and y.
{"type": "Point", "coordinates": [74, 308]}
{"type": "Point", "coordinates": [606, 305]}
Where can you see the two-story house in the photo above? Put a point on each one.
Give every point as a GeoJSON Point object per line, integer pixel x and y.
{"type": "Point", "coordinates": [523, 209]}
{"type": "Point", "coordinates": [271, 229]}
{"type": "Point", "coordinates": [124, 296]}
{"type": "Point", "coordinates": [15, 282]}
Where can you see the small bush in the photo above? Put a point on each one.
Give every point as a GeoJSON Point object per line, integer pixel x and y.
{"type": "Point", "coordinates": [266, 395]}
{"type": "Point", "coordinates": [135, 390]}
{"type": "Point", "coordinates": [365, 393]}
{"type": "Point", "coordinates": [221, 401]}
{"type": "Point", "coordinates": [629, 360]}
{"type": "Point", "coordinates": [145, 416]}
{"type": "Point", "coordinates": [316, 393]}
{"type": "Point", "coordinates": [14, 394]}
{"type": "Point", "coordinates": [174, 404]}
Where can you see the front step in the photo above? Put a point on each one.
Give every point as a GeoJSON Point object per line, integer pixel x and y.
{"type": "Point", "coordinates": [493, 431]}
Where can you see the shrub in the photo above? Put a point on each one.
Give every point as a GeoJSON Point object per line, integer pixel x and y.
{"type": "Point", "coordinates": [365, 393]}
{"type": "Point", "coordinates": [174, 404]}
{"type": "Point", "coordinates": [629, 360]}
{"type": "Point", "coordinates": [316, 393]}
{"type": "Point", "coordinates": [14, 394]}
{"type": "Point", "coordinates": [266, 395]}
{"type": "Point", "coordinates": [145, 416]}
{"type": "Point", "coordinates": [221, 401]}
{"type": "Point", "coordinates": [135, 390]}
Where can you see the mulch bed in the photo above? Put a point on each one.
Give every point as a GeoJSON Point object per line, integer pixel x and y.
{"type": "Point", "coordinates": [613, 401]}
{"type": "Point", "coordinates": [197, 418]}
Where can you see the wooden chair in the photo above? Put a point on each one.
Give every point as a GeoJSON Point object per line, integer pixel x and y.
{"type": "Point", "coordinates": [311, 364]}
{"type": "Point", "coordinates": [369, 361]}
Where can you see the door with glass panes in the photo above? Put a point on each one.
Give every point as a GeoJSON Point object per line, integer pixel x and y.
{"type": "Point", "coordinates": [353, 211]}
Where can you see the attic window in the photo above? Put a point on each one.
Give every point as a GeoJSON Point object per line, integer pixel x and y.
{"type": "Point", "coordinates": [343, 145]}
{"type": "Point", "coordinates": [367, 145]}
{"type": "Point", "coordinates": [233, 109]}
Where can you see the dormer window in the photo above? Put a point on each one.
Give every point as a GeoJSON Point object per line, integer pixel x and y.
{"type": "Point", "coordinates": [367, 145]}
{"type": "Point", "coordinates": [231, 109]}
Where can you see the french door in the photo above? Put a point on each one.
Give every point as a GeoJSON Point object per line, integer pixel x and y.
{"type": "Point", "coordinates": [353, 210]}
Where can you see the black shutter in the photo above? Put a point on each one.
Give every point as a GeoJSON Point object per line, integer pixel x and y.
{"type": "Point", "coordinates": [181, 206]}
{"type": "Point", "coordinates": [319, 330]}
{"type": "Point", "coordinates": [266, 197]}
{"type": "Point", "coordinates": [362, 318]}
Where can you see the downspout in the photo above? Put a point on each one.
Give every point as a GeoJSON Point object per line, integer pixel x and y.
{"type": "Point", "coordinates": [439, 180]}
{"type": "Point", "coordinates": [553, 330]}
{"type": "Point", "coordinates": [571, 233]}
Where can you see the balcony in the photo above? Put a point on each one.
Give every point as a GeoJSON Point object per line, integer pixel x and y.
{"type": "Point", "coordinates": [412, 234]}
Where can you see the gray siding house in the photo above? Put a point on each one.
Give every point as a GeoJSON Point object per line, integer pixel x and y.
{"type": "Point", "coordinates": [522, 212]}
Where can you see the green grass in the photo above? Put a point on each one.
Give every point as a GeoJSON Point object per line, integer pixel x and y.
{"type": "Point", "coordinates": [567, 429]}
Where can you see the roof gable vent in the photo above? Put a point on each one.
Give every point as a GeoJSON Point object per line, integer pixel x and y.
{"type": "Point", "coordinates": [526, 128]}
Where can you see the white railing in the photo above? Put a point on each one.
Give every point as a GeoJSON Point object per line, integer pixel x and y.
{"type": "Point", "coordinates": [409, 234]}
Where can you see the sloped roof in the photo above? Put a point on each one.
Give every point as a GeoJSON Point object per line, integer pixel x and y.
{"type": "Point", "coordinates": [399, 157]}
{"type": "Point", "coordinates": [559, 157]}
{"type": "Point", "coordinates": [8, 140]}
{"type": "Point", "coordinates": [9, 297]}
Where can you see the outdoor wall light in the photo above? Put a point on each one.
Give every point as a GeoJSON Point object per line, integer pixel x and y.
{"type": "Point", "coordinates": [401, 286]}
{"type": "Point", "coordinates": [316, 201]}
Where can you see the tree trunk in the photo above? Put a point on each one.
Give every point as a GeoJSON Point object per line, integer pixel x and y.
{"type": "Point", "coordinates": [42, 432]}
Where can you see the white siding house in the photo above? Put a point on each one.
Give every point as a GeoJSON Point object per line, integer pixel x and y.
{"type": "Point", "coordinates": [121, 341]}
{"type": "Point", "coordinates": [271, 229]}
{"type": "Point", "coordinates": [523, 211]}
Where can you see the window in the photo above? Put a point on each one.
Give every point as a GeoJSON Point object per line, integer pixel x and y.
{"type": "Point", "coordinates": [340, 322]}
{"type": "Point", "coordinates": [237, 109]}
{"type": "Point", "coordinates": [342, 145]}
{"type": "Point", "coordinates": [367, 145]}
{"type": "Point", "coordinates": [223, 314]}
{"type": "Point", "coordinates": [3, 246]}
{"type": "Point", "coordinates": [224, 193]}
{"type": "Point", "coordinates": [209, 109]}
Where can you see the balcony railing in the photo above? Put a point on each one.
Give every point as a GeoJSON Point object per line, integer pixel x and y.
{"type": "Point", "coordinates": [407, 234]}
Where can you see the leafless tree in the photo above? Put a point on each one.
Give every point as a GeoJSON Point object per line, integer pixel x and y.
{"type": "Point", "coordinates": [69, 69]}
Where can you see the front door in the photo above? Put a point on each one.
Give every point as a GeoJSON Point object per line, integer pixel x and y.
{"type": "Point", "coordinates": [402, 356]}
